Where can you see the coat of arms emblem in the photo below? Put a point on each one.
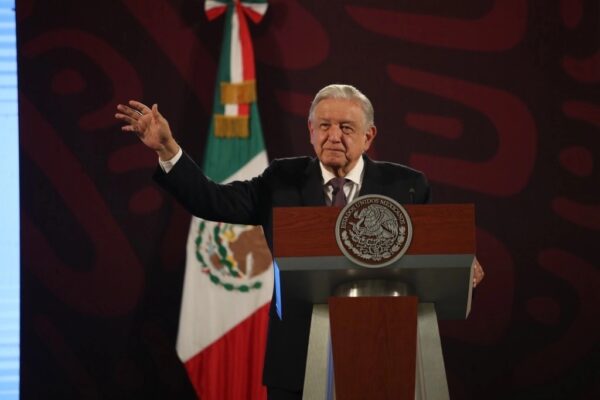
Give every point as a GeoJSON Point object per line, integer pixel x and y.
{"type": "Point", "coordinates": [233, 256]}
{"type": "Point", "coordinates": [373, 231]}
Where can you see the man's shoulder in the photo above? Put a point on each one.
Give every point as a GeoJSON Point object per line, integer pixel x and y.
{"type": "Point", "coordinates": [291, 165]}
{"type": "Point", "coordinates": [387, 167]}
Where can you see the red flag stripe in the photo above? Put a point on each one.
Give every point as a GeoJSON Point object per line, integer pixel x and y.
{"type": "Point", "coordinates": [215, 12]}
{"type": "Point", "coordinates": [229, 359]}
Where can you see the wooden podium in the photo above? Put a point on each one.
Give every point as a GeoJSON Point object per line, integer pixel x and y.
{"type": "Point", "coordinates": [378, 344]}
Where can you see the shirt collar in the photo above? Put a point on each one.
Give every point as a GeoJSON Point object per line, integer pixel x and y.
{"type": "Point", "coordinates": [355, 174]}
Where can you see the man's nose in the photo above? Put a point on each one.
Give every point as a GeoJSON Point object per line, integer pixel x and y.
{"type": "Point", "coordinates": [334, 133]}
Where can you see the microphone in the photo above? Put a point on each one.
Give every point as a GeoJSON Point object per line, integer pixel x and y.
{"type": "Point", "coordinates": [411, 193]}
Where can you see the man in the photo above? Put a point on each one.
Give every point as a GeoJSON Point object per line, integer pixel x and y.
{"type": "Point", "coordinates": [341, 126]}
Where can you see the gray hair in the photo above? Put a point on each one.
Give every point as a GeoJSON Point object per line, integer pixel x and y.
{"type": "Point", "coordinates": [346, 92]}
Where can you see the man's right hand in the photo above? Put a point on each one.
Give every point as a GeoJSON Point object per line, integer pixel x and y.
{"type": "Point", "coordinates": [150, 126]}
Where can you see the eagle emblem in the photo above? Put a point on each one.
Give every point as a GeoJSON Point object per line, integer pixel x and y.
{"type": "Point", "coordinates": [373, 231]}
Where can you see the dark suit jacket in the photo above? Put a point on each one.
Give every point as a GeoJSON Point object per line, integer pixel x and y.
{"type": "Point", "coordinates": [286, 182]}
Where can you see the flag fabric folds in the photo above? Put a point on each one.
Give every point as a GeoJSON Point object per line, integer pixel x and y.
{"type": "Point", "coordinates": [228, 278]}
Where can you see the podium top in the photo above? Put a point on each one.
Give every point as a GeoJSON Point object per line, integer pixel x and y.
{"type": "Point", "coordinates": [436, 266]}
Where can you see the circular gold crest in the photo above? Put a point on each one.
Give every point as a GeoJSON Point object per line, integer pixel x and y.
{"type": "Point", "coordinates": [373, 231]}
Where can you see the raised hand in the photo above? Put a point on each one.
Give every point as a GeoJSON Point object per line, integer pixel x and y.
{"type": "Point", "coordinates": [149, 126]}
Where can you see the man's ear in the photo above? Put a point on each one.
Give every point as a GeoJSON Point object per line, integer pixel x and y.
{"type": "Point", "coordinates": [370, 136]}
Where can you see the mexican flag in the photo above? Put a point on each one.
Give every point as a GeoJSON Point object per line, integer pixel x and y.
{"type": "Point", "coordinates": [229, 278]}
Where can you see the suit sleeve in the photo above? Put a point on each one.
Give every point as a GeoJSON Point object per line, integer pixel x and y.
{"type": "Point", "coordinates": [239, 202]}
{"type": "Point", "coordinates": [423, 193]}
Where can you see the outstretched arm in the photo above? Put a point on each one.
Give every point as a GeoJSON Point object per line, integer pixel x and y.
{"type": "Point", "coordinates": [235, 203]}
{"type": "Point", "coordinates": [149, 126]}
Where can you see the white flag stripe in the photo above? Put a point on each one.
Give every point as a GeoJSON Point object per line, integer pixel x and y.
{"type": "Point", "coordinates": [231, 109]}
{"type": "Point", "coordinates": [253, 168]}
{"type": "Point", "coordinates": [235, 68]}
{"type": "Point", "coordinates": [259, 8]}
{"type": "Point", "coordinates": [210, 4]}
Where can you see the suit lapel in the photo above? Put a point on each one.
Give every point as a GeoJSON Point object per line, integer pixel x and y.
{"type": "Point", "coordinates": [312, 189]}
{"type": "Point", "coordinates": [372, 183]}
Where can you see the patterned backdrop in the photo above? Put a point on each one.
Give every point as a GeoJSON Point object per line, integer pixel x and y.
{"type": "Point", "coordinates": [498, 101]}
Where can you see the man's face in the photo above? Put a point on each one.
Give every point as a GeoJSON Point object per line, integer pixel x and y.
{"type": "Point", "coordinates": [339, 134]}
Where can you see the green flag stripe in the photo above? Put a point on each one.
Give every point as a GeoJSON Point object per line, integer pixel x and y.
{"type": "Point", "coordinates": [224, 71]}
{"type": "Point", "coordinates": [225, 156]}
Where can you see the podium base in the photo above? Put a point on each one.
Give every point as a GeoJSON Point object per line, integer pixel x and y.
{"type": "Point", "coordinates": [430, 374]}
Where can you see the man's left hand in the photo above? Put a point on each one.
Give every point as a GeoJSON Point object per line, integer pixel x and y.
{"type": "Point", "coordinates": [478, 273]}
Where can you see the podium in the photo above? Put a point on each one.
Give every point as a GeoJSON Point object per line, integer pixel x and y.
{"type": "Point", "coordinates": [375, 329]}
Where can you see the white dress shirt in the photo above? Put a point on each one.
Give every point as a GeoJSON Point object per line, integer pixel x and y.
{"type": "Point", "coordinates": [169, 164]}
{"type": "Point", "coordinates": [352, 185]}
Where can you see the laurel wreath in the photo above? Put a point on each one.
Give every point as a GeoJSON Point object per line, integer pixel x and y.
{"type": "Point", "coordinates": [374, 249]}
{"type": "Point", "coordinates": [222, 253]}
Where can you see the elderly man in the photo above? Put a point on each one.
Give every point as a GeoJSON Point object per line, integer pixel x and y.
{"type": "Point", "coordinates": [342, 129]}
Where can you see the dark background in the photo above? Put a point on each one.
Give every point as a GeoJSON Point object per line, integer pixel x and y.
{"type": "Point", "coordinates": [497, 101]}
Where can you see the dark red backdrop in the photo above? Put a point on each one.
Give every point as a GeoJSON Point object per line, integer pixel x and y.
{"type": "Point", "coordinates": [497, 101]}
